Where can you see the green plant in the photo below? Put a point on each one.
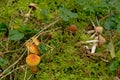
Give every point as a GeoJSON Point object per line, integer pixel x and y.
{"type": "Point", "coordinates": [3, 62]}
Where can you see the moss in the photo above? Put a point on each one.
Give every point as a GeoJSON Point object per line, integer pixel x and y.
{"type": "Point", "coordinates": [65, 61]}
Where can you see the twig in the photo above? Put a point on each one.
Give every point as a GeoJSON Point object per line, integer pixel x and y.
{"type": "Point", "coordinates": [93, 35]}
{"type": "Point", "coordinates": [104, 17]}
{"type": "Point", "coordinates": [13, 64]}
{"type": "Point", "coordinates": [39, 33]}
{"type": "Point", "coordinates": [92, 23]}
{"type": "Point", "coordinates": [3, 46]}
{"type": "Point", "coordinates": [91, 31]}
{"type": "Point", "coordinates": [12, 71]}
{"type": "Point", "coordinates": [105, 60]}
{"type": "Point", "coordinates": [2, 53]}
{"type": "Point", "coordinates": [53, 30]}
{"type": "Point", "coordinates": [30, 77]}
{"type": "Point", "coordinates": [25, 73]}
{"type": "Point", "coordinates": [98, 23]}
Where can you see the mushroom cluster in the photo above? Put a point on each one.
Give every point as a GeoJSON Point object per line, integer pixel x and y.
{"type": "Point", "coordinates": [99, 40]}
{"type": "Point", "coordinates": [33, 58]}
{"type": "Point", "coordinates": [32, 61]}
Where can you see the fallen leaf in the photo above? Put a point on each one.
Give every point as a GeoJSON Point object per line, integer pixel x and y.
{"type": "Point", "coordinates": [111, 49]}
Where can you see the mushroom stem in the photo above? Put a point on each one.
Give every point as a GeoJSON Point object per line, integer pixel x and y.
{"type": "Point", "coordinates": [93, 48]}
{"type": "Point", "coordinates": [27, 16]}
{"type": "Point", "coordinates": [90, 41]}
{"type": "Point", "coordinates": [30, 11]}
{"type": "Point", "coordinates": [26, 19]}
{"type": "Point", "coordinates": [34, 69]}
{"type": "Point", "coordinates": [93, 35]}
{"type": "Point", "coordinates": [91, 31]}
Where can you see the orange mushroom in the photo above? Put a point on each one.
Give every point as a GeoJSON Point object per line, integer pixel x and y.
{"type": "Point", "coordinates": [32, 61]}
{"type": "Point", "coordinates": [72, 28]}
{"type": "Point", "coordinates": [36, 41]}
{"type": "Point", "coordinates": [32, 47]}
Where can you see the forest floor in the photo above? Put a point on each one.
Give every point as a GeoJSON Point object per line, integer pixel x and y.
{"type": "Point", "coordinates": [78, 39]}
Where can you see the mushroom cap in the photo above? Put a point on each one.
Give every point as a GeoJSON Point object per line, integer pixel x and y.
{"type": "Point", "coordinates": [101, 40]}
{"type": "Point", "coordinates": [32, 5]}
{"type": "Point", "coordinates": [32, 47]}
{"type": "Point", "coordinates": [33, 60]}
{"type": "Point", "coordinates": [36, 41]}
{"type": "Point", "coordinates": [72, 28]}
{"type": "Point", "coordinates": [99, 29]}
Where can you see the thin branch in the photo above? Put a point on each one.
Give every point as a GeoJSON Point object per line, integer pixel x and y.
{"type": "Point", "coordinates": [12, 71]}
{"type": "Point", "coordinates": [30, 77]}
{"type": "Point", "coordinates": [104, 17]}
{"type": "Point", "coordinates": [13, 64]}
{"type": "Point", "coordinates": [92, 23]}
{"type": "Point", "coordinates": [25, 73]}
{"type": "Point", "coordinates": [3, 46]}
{"type": "Point", "coordinates": [98, 23]}
{"type": "Point", "coordinates": [39, 33]}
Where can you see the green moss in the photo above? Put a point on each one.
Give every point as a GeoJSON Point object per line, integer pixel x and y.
{"type": "Point", "coordinates": [66, 61]}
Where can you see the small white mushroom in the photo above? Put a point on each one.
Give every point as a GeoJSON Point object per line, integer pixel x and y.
{"type": "Point", "coordinates": [93, 48]}
{"type": "Point", "coordinates": [94, 45]}
{"type": "Point", "coordinates": [96, 33]}
{"type": "Point", "coordinates": [32, 6]}
{"type": "Point", "coordinates": [99, 29]}
{"type": "Point", "coordinates": [92, 41]}
{"type": "Point", "coordinates": [91, 31]}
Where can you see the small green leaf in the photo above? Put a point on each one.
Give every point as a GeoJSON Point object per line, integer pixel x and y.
{"type": "Point", "coordinates": [114, 65]}
{"type": "Point", "coordinates": [42, 48]}
{"type": "Point", "coordinates": [3, 62]}
{"type": "Point", "coordinates": [3, 27]}
{"type": "Point", "coordinates": [15, 35]}
{"type": "Point", "coordinates": [66, 14]}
